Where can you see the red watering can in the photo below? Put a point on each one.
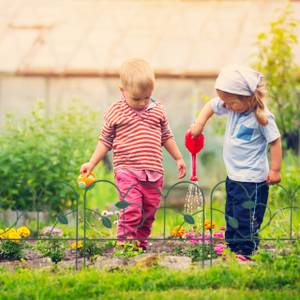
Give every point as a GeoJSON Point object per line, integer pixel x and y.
{"type": "Point", "coordinates": [194, 145]}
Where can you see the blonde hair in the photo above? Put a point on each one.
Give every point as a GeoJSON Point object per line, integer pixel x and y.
{"type": "Point", "coordinates": [137, 74]}
{"type": "Point", "coordinates": [256, 102]}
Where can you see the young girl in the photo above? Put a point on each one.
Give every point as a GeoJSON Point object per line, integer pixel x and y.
{"type": "Point", "coordinates": [136, 127]}
{"type": "Point", "coordinates": [250, 128]}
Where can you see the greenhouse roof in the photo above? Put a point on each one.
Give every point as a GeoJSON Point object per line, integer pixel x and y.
{"type": "Point", "coordinates": [92, 37]}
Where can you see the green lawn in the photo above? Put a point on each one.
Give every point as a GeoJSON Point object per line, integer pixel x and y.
{"type": "Point", "coordinates": [276, 278]}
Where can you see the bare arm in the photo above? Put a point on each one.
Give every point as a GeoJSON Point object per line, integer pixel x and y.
{"type": "Point", "coordinates": [174, 151]}
{"type": "Point", "coordinates": [276, 158]}
{"type": "Point", "coordinates": [205, 113]}
{"type": "Point", "coordinates": [97, 156]}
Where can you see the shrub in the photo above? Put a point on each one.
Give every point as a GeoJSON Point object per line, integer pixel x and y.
{"type": "Point", "coordinates": [89, 249]}
{"type": "Point", "coordinates": [12, 242]}
{"type": "Point", "coordinates": [39, 154]}
{"type": "Point", "coordinates": [276, 60]}
{"type": "Point", "coordinates": [290, 180]}
{"type": "Point", "coordinates": [53, 248]}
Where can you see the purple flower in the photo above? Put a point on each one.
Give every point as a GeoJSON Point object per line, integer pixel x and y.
{"type": "Point", "coordinates": [52, 231]}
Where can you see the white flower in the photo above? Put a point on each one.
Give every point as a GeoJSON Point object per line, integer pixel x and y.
{"type": "Point", "coordinates": [106, 213]}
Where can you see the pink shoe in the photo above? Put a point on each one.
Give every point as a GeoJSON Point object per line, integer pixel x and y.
{"type": "Point", "coordinates": [242, 258]}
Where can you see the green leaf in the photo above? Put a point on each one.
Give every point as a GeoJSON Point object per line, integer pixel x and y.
{"type": "Point", "coordinates": [248, 204]}
{"type": "Point", "coordinates": [62, 219]}
{"type": "Point", "coordinates": [122, 204]}
{"type": "Point", "coordinates": [189, 219]}
{"type": "Point", "coordinates": [233, 222]}
{"type": "Point", "coordinates": [106, 222]}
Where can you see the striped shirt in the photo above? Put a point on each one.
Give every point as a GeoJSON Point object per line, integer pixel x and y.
{"type": "Point", "coordinates": [136, 137]}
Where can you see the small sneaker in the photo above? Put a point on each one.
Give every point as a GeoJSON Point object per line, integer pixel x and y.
{"type": "Point", "coordinates": [243, 258]}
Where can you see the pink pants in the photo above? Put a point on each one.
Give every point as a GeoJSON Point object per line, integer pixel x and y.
{"type": "Point", "coordinates": [135, 221]}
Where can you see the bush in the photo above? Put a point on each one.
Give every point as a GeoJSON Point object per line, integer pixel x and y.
{"type": "Point", "coordinates": [39, 154]}
{"type": "Point", "coordinates": [12, 242]}
{"type": "Point", "coordinates": [276, 60]}
{"type": "Point", "coordinates": [52, 248]}
{"type": "Point", "coordinates": [290, 181]}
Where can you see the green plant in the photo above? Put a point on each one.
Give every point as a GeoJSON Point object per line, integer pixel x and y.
{"type": "Point", "coordinates": [53, 248]}
{"type": "Point", "coordinates": [12, 242]}
{"type": "Point", "coordinates": [276, 60]}
{"type": "Point", "coordinates": [11, 250]}
{"type": "Point", "coordinates": [196, 252]}
{"type": "Point", "coordinates": [40, 155]}
{"type": "Point", "coordinates": [128, 249]}
{"type": "Point", "coordinates": [90, 250]}
{"type": "Point", "coordinates": [290, 180]}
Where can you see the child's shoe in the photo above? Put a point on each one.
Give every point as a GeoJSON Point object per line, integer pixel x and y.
{"type": "Point", "coordinates": [243, 258]}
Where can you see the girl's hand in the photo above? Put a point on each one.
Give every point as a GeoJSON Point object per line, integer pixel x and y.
{"type": "Point", "coordinates": [273, 177]}
{"type": "Point", "coordinates": [181, 167]}
{"type": "Point", "coordinates": [86, 169]}
{"type": "Point", "coordinates": [195, 130]}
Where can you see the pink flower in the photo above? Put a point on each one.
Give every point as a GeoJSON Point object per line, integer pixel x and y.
{"type": "Point", "coordinates": [219, 248]}
{"type": "Point", "coordinates": [222, 228]}
{"type": "Point", "coordinates": [206, 238]}
{"type": "Point", "coordinates": [218, 235]}
{"type": "Point", "coordinates": [191, 238]}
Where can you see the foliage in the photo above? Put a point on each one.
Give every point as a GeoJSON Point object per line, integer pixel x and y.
{"type": "Point", "coordinates": [290, 180]}
{"type": "Point", "coordinates": [275, 59]}
{"type": "Point", "coordinates": [12, 242]}
{"type": "Point", "coordinates": [53, 248]}
{"type": "Point", "coordinates": [198, 246]}
{"type": "Point", "coordinates": [11, 250]}
{"type": "Point", "coordinates": [197, 252]}
{"type": "Point", "coordinates": [128, 249]}
{"type": "Point", "coordinates": [39, 154]}
{"type": "Point", "coordinates": [88, 249]}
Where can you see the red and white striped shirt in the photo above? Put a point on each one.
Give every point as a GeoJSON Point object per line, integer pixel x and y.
{"type": "Point", "coordinates": [136, 137]}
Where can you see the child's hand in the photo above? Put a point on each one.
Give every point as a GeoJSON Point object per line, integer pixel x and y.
{"type": "Point", "coordinates": [195, 130]}
{"type": "Point", "coordinates": [181, 167]}
{"type": "Point", "coordinates": [273, 177]}
{"type": "Point", "coordinates": [86, 169]}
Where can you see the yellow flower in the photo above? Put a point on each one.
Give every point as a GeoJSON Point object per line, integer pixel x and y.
{"type": "Point", "coordinates": [177, 231]}
{"type": "Point", "coordinates": [209, 225]}
{"type": "Point", "coordinates": [23, 231]}
{"type": "Point", "coordinates": [79, 245]}
{"type": "Point", "coordinates": [12, 234]}
{"type": "Point", "coordinates": [8, 230]}
{"type": "Point", "coordinates": [2, 234]}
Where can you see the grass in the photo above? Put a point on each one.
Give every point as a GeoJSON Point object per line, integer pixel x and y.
{"type": "Point", "coordinates": [279, 279]}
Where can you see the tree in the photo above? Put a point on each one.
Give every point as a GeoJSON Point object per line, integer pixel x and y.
{"type": "Point", "coordinates": [276, 61]}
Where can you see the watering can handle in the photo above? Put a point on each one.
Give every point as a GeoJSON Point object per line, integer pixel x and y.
{"type": "Point", "coordinates": [194, 176]}
{"type": "Point", "coordinates": [194, 145]}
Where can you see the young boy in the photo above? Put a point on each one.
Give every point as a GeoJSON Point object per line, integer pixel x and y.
{"type": "Point", "coordinates": [136, 127]}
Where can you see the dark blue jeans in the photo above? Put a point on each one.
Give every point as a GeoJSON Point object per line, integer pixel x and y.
{"type": "Point", "coordinates": [245, 208]}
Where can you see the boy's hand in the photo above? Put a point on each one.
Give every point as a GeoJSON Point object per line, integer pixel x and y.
{"type": "Point", "coordinates": [273, 177]}
{"type": "Point", "coordinates": [181, 167]}
{"type": "Point", "coordinates": [86, 169]}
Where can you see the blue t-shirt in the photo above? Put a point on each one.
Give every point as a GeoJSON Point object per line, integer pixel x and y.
{"type": "Point", "coordinates": [245, 143]}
